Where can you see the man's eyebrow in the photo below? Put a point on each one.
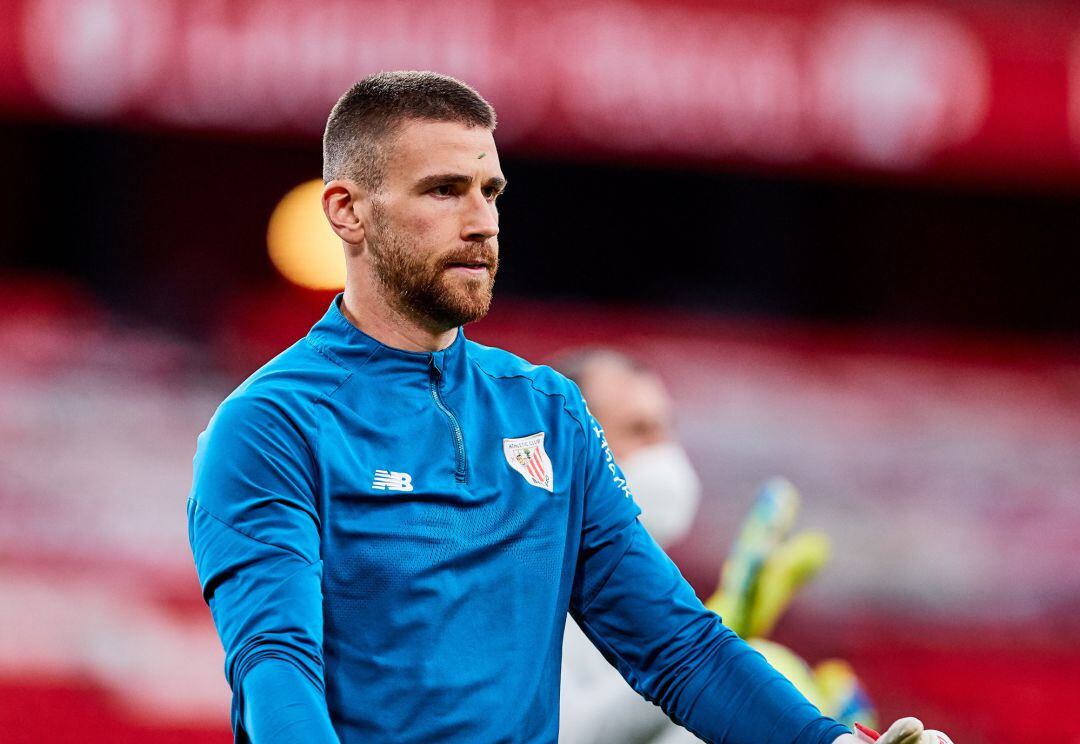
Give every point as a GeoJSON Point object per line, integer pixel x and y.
{"type": "Point", "coordinates": [446, 179]}
{"type": "Point", "coordinates": [442, 179]}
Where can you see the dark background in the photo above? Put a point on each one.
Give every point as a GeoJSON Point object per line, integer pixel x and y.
{"type": "Point", "coordinates": [167, 224]}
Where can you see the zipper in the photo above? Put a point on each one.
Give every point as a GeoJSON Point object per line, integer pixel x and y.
{"type": "Point", "coordinates": [455, 427]}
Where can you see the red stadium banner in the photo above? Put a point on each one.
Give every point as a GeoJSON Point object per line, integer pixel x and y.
{"type": "Point", "coordinates": [927, 87]}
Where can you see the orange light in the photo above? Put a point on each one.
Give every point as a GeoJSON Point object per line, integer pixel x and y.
{"type": "Point", "coordinates": [302, 246]}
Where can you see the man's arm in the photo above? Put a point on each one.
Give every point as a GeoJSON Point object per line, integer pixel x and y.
{"type": "Point", "coordinates": [254, 533]}
{"type": "Point", "coordinates": [635, 606]}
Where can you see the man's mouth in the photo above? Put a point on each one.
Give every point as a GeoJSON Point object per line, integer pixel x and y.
{"type": "Point", "coordinates": [469, 265]}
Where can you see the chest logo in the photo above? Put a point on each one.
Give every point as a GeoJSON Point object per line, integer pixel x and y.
{"type": "Point", "coordinates": [526, 455]}
{"type": "Point", "coordinates": [391, 480]}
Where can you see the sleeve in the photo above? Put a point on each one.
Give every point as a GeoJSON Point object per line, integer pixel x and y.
{"type": "Point", "coordinates": [636, 608]}
{"type": "Point", "coordinates": [254, 533]}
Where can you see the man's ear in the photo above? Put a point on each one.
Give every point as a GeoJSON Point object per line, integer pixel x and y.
{"type": "Point", "coordinates": [347, 207]}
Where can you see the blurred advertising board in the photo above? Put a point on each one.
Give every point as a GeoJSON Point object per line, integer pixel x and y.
{"type": "Point", "coordinates": [930, 88]}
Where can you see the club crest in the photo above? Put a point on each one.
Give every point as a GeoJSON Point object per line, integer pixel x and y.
{"type": "Point", "coordinates": [526, 455]}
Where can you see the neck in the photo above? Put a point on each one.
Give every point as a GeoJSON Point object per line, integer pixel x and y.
{"type": "Point", "coordinates": [364, 306]}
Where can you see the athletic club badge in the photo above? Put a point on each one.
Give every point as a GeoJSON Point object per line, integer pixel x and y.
{"type": "Point", "coordinates": [527, 456]}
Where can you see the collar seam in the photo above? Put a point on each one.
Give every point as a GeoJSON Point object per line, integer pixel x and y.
{"type": "Point", "coordinates": [349, 329]}
{"type": "Point", "coordinates": [315, 341]}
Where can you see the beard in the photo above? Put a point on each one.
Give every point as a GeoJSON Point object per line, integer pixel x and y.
{"type": "Point", "coordinates": [420, 287]}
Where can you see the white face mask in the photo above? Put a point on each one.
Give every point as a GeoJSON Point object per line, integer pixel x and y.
{"type": "Point", "coordinates": [666, 488]}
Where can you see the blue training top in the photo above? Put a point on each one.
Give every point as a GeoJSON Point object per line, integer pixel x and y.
{"type": "Point", "coordinates": [389, 543]}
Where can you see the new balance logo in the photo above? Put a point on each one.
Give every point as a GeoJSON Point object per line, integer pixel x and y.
{"type": "Point", "coordinates": [390, 480]}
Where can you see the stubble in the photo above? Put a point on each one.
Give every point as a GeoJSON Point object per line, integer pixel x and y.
{"type": "Point", "coordinates": [418, 285]}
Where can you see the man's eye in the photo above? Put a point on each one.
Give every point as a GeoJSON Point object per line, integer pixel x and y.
{"type": "Point", "coordinates": [443, 190]}
{"type": "Point", "coordinates": [491, 193]}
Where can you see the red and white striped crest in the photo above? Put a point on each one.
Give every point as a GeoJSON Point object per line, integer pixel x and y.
{"type": "Point", "coordinates": [527, 456]}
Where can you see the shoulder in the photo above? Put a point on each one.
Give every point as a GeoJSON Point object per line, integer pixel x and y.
{"type": "Point", "coordinates": [500, 364]}
{"type": "Point", "coordinates": [257, 456]}
{"type": "Point", "coordinates": [284, 391]}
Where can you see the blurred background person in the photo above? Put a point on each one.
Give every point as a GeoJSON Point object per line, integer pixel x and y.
{"type": "Point", "coordinates": [597, 706]}
{"type": "Point", "coordinates": [765, 567]}
{"type": "Point", "coordinates": [632, 404]}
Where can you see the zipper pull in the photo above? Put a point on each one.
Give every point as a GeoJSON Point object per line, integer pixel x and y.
{"type": "Point", "coordinates": [434, 363]}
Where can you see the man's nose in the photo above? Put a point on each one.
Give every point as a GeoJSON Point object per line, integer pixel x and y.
{"type": "Point", "coordinates": [482, 221]}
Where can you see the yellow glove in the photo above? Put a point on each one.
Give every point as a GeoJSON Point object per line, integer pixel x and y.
{"type": "Point", "coordinates": [843, 696]}
{"type": "Point", "coordinates": [831, 685]}
{"type": "Point", "coordinates": [765, 567]}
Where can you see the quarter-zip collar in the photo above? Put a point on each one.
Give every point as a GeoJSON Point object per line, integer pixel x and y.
{"type": "Point", "coordinates": [356, 350]}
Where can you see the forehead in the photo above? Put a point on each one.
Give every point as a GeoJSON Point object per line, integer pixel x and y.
{"type": "Point", "coordinates": [618, 391]}
{"type": "Point", "coordinates": [425, 147]}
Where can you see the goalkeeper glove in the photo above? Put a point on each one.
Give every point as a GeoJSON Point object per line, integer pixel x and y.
{"type": "Point", "coordinates": [831, 685]}
{"type": "Point", "coordinates": [905, 731]}
{"type": "Point", "coordinates": [766, 567]}
{"type": "Point", "coordinates": [764, 570]}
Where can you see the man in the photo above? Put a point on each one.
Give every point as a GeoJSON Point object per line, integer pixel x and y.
{"type": "Point", "coordinates": [379, 564]}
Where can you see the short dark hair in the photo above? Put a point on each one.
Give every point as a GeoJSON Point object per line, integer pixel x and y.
{"type": "Point", "coordinates": [374, 109]}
